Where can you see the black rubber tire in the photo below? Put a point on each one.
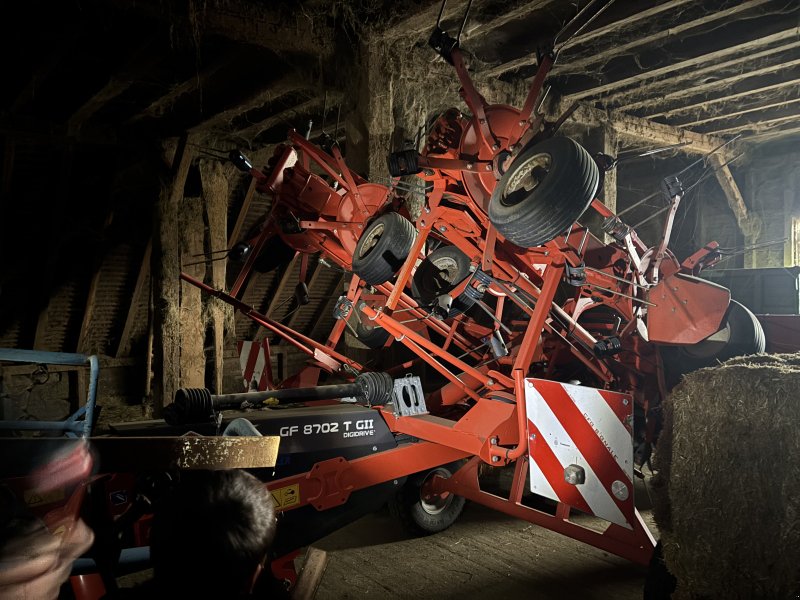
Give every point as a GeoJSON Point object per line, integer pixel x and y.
{"type": "Point", "coordinates": [568, 182]}
{"type": "Point", "coordinates": [438, 274]}
{"type": "Point", "coordinates": [374, 337]}
{"type": "Point", "coordinates": [407, 505]}
{"type": "Point", "coordinates": [274, 254]}
{"type": "Point", "coordinates": [383, 248]}
{"type": "Point", "coordinates": [746, 337]}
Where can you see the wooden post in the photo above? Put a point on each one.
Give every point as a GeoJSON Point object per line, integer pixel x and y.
{"type": "Point", "coordinates": [165, 267]}
{"type": "Point", "coordinates": [609, 190]}
{"type": "Point", "coordinates": [215, 195]}
{"type": "Point", "coordinates": [192, 321]}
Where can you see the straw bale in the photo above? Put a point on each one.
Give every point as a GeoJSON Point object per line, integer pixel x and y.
{"type": "Point", "coordinates": [727, 492]}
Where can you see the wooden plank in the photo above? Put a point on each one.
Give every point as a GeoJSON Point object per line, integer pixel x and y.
{"type": "Point", "coordinates": [729, 115]}
{"type": "Point", "coordinates": [710, 59]}
{"type": "Point", "coordinates": [286, 116]}
{"type": "Point", "coordinates": [275, 300]}
{"type": "Point", "coordinates": [749, 223]}
{"type": "Point", "coordinates": [192, 322]}
{"type": "Point", "coordinates": [774, 134]}
{"type": "Point", "coordinates": [654, 133]}
{"type": "Point", "coordinates": [756, 125]}
{"type": "Point", "coordinates": [272, 92]}
{"type": "Point", "coordinates": [611, 148]}
{"type": "Point", "coordinates": [656, 104]}
{"type": "Point", "coordinates": [165, 266]}
{"type": "Point", "coordinates": [311, 576]}
{"type": "Point", "coordinates": [243, 211]}
{"type": "Point", "coordinates": [123, 347]}
{"type": "Point", "coordinates": [215, 195]}
{"type": "Point", "coordinates": [579, 65]}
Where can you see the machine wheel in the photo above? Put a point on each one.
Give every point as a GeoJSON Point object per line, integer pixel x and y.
{"type": "Point", "coordinates": [546, 189]}
{"type": "Point", "coordinates": [383, 247]}
{"type": "Point", "coordinates": [426, 515]}
{"type": "Point", "coordinates": [740, 334]}
{"type": "Point", "coordinates": [372, 336]}
{"type": "Point", "coordinates": [438, 274]}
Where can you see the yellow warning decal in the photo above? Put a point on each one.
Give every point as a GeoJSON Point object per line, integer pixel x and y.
{"type": "Point", "coordinates": [286, 497]}
{"type": "Point", "coordinates": [37, 498]}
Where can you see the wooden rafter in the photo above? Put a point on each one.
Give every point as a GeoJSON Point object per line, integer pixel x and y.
{"type": "Point", "coordinates": [274, 91]}
{"type": "Point", "coordinates": [689, 108]}
{"type": "Point", "coordinates": [748, 222]}
{"type": "Point", "coordinates": [707, 63]}
{"type": "Point", "coordinates": [694, 90]}
{"type": "Point", "coordinates": [243, 211]}
{"type": "Point", "coordinates": [654, 133]}
{"type": "Point", "coordinates": [139, 290]}
{"type": "Point", "coordinates": [757, 125]}
{"type": "Point", "coordinates": [738, 113]}
{"type": "Point", "coordinates": [302, 109]}
{"type": "Point", "coordinates": [581, 64]}
{"type": "Point", "coordinates": [775, 133]}
{"type": "Point", "coordinates": [327, 307]}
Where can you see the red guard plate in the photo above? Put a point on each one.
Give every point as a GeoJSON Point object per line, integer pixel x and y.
{"type": "Point", "coordinates": [687, 309]}
{"type": "Point", "coordinates": [589, 428]}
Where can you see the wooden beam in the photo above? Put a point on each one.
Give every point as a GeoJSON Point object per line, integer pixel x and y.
{"type": "Point", "coordinates": [165, 266]}
{"type": "Point", "coordinates": [580, 64]}
{"type": "Point", "coordinates": [192, 328]}
{"type": "Point", "coordinates": [655, 133]}
{"type": "Point", "coordinates": [215, 195]}
{"type": "Point", "coordinates": [688, 108]}
{"type": "Point", "coordinates": [123, 347]}
{"type": "Point", "coordinates": [243, 211]}
{"type": "Point", "coordinates": [647, 77]}
{"type": "Point", "coordinates": [757, 125]}
{"type": "Point", "coordinates": [723, 116]}
{"type": "Point", "coordinates": [91, 299]}
{"type": "Point", "coordinates": [302, 109]}
{"type": "Point", "coordinates": [611, 148]}
{"type": "Point", "coordinates": [773, 134]}
{"type": "Point", "coordinates": [274, 91]}
{"type": "Point", "coordinates": [694, 90]}
{"type": "Point", "coordinates": [161, 105]}
{"type": "Point", "coordinates": [275, 296]}
{"type": "Point", "coordinates": [749, 223]}
{"type": "Point", "coordinates": [475, 30]}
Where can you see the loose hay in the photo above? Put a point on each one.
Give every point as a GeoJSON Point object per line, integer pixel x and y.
{"type": "Point", "coordinates": [728, 487]}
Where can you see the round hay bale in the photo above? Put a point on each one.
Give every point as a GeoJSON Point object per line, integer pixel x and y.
{"type": "Point", "coordinates": [727, 492]}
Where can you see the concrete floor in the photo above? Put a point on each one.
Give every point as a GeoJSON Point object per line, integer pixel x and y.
{"type": "Point", "coordinates": [484, 554]}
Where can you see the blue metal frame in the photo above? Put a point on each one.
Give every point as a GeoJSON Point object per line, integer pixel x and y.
{"type": "Point", "coordinates": [80, 423]}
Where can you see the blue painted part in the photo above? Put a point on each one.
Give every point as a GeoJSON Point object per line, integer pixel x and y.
{"type": "Point", "coordinates": [73, 426]}
{"type": "Point", "coordinates": [130, 560]}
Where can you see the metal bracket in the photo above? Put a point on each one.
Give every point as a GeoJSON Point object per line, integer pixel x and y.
{"type": "Point", "coordinates": [409, 399]}
{"type": "Point", "coordinates": [575, 275]}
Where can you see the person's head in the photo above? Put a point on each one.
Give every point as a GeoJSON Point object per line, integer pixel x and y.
{"type": "Point", "coordinates": [212, 533]}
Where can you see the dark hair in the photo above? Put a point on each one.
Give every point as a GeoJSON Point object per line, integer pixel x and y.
{"type": "Point", "coordinates": [211, 533]}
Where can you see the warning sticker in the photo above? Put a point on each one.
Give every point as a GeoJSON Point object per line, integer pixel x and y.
{"type": "Point", "coordinates": [286, 497]}
{"type": "Point", "coordinates": [37, 498]}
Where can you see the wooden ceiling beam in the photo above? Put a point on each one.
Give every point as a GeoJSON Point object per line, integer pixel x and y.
{"type": "Point", "coordinates": [707, 103]}
{"type": "Point", "coordinates": [756, 125]}
{"type": "Point", "coordinates": [655, 133]}
{"type": "Point", "coordinates": [649, 77]}
{"type": "Point", "coordinates": [579, 65]}
{"type": "Point", "coordinates": [651, 106]}
{"type": "Point", "coordinates": [139, 288]}
{"type": "Point", "coordinates": [773, 134]}
{"type": "Point", "coordinates": [729, 115]}
{"type": "Point", "coordinates": [302, 109]}
{"type": "Point", "coordinates": [274, 91]}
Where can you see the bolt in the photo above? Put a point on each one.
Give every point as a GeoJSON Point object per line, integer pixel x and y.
{"type": "Point", "coordinates": [442, 228]}
{"type": "Point", "coordinates": [395, 482]}
{"type": "Point", "coordinates": [685, 301]}
{"type": "Point", "coordinates": [482, 121]}
{"type": "Point", "coordinates": [495, 147]}
{"type": "Point", "coordinates": [488, 167]}
{"type": "Point", "coordinates": [490, 381]}
{"type": "Point", "coordinates": [493, 441]}
{"type": "Point", "coordinates": [469, 165]}
{"type": "Point", "coordinates": [625, 401]}
{"type": "Point", "coordinates": [374, 448]}
{"type": "Point", "coordinates": [495, 459]}
{"type": "Point", "coordinates": [522, 123]}
{"type": "Point", "coordinates": [427, 209]}
{"type": "Point", "coordinates": [532, 437]}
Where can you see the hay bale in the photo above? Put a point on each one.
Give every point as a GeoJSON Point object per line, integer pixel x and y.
{"type": "Point", "coordinates": [728, 487]}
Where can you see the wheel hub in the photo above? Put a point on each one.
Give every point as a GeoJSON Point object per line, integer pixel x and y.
{"type": "Point", "coordinates": [526, 179]}
{"type": "Point", "coordinates": [432, 502]}
{"type": "Point", "coordinates": [373, 236]}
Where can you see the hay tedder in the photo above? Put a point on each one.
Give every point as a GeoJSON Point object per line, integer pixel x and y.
{"type": "Point", "coordinates": [550, 341]}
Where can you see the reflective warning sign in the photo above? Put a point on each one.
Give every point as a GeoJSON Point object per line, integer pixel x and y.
{"type": "Point", "coordinates": [37, 498]}
{"type": "Point", "coordinates": [286, 497]}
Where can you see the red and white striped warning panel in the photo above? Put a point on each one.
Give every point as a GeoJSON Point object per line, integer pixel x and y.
{"type": "Point", "coordinates": [256, 372]}
{"type": "Point", "coordinates": [581, 448]}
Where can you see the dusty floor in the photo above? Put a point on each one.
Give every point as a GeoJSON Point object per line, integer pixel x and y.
{"type": "Point", "coordinates": [485, 553]}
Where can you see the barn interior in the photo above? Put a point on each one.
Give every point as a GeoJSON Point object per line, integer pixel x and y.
{"type": "Point", "coordinates": [159, 123]}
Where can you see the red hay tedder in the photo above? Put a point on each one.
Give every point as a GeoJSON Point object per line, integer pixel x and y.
{"type": "Point", "coordinates": [549, 338]}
